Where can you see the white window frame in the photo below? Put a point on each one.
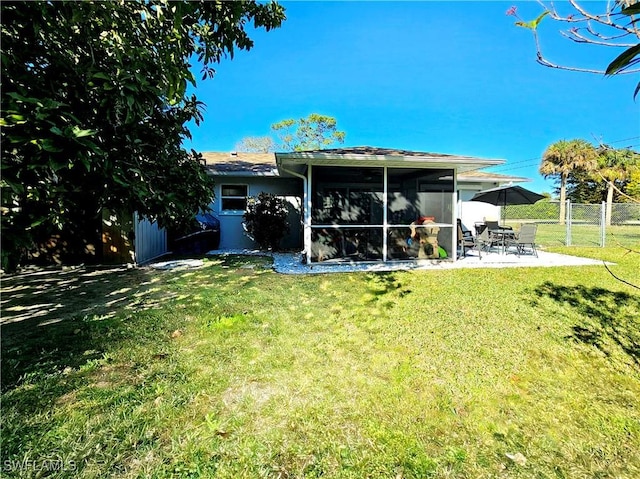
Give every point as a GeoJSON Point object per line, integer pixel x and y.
{"type": "Point", "coordinates": [231, 197]}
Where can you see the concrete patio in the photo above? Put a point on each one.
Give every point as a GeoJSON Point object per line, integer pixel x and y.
{"type": "Point", "coordinates": [291, 263]}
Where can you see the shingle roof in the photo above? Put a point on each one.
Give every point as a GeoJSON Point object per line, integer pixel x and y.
{"type": "Point", "coordinates": [264, 164]}
{"type": "Point", "coordinates": [488, 176]}
{"type": "Point", "coordinates": [240, 162]}
{"type": "Point", "coordinates": [372, 150]}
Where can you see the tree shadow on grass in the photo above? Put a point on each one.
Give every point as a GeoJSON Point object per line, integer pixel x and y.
{"type": "Point", "coordinates": [100, 340]}
{"type": "Point", "coordinates": [610, 319]}
{"type": "Point", "coordinates": [384, 283]}
{"type": "Point", "coordinates": [55, 319]}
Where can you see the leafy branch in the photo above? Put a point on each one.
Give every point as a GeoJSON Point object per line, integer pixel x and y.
{"type": "Point", "coordinates": [616, 27]}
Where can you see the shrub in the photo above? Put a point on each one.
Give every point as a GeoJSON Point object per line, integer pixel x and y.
{"type": "Point", "coordinates": [265, 220]}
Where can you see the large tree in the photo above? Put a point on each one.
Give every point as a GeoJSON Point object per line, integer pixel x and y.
{"type": "Point", "coordinates": [564, 157]}
{"type": "Point", "coordinates": [612, 179]}
{"type": "Point", "coordinates": [583, 187]}
{"type": "Point", "coordinates": [94, 107]}
{"type": "Point", "coordinates": [256, 144]}
{"type": "Point", "coordinates": [315, 132]}
{"type": "Point", "coordinates": [614, 167]}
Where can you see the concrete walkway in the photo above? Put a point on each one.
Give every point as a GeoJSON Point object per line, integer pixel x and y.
{"type": "Point", "coordinates": [291, 263]}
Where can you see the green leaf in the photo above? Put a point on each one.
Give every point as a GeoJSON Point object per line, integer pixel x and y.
{"type": "Point", "coordinates": [17, 188]}
{"type": "Point", "coordinates": [17, 119]}
{"type": "Point", "coordinates": [101, 76]}
{"type": "Point", "coordinates": [86, 163]}
{"type": "Point", "coordinates": [48, 145]}
{"type": "Point", "coordinates": [533, 24]}
{"type": "Point", "coordinates": [21, 98]}
{"type": "Point", "coordinates": [623, 60]}
{"type": "Point", "coordinates": [117, 179]}
{"type": "Point", "coordinates": [79, 133]}
{"type": "Point", "coordinates": [633, 9]}
{"type": "Point", "coordinates": [37, 222]}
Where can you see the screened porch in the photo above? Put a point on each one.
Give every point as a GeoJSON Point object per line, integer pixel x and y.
{"type": "Point", "coordinates": [368, 204]}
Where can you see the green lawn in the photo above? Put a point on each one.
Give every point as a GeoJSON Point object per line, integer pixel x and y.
{"type": "Point", "coordinates": [234, 371]}
{"type": "Point", "coordinates": [583, 234]}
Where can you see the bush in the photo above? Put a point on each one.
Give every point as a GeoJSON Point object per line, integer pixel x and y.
{"type": "Point", "coordinates": [265, 220]}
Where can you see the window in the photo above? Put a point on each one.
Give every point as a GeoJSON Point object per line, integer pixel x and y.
{"type": "Point", "coordinates": [347, 195]}
{"type": "Point", "coordinates": [419, 192]}
{"type": "Point", "coordinates": [233, 197]}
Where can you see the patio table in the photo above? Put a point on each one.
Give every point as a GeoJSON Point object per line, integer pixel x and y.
{"type": "Point", "coordinates": [500, 235]}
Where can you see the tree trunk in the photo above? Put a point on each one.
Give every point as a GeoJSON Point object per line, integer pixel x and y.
{"type": "Point", "coordinates": [607, 217]}
{"type": "Point", "coordinates": [563, 197]}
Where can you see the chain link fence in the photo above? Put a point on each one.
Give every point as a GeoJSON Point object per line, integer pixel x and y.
{"type": "Point", "coordinates": [583, 225]}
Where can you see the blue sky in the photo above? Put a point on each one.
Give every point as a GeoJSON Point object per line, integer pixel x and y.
{"type": "Point", "coordinates": [446, 77]}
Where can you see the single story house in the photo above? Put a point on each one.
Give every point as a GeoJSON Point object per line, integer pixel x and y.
{"type": "Point", "coordinates": [357, 204]}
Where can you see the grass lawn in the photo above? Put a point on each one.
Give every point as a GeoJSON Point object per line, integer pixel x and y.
{"type": "Point", "coordinates": [551, 235]}
{"type": "Point", "coordinates": [234, 371]}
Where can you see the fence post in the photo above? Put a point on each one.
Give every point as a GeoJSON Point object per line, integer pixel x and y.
{"type": "Point", "coordinates": [603, 222]}
{"type": "Point", "coordinates": [568, 222]}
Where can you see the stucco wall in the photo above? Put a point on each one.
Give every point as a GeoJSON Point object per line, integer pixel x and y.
{"type": "Point", "coordinates": [471, 212]}
{"type": "Point", "coordinates": [232, 234]}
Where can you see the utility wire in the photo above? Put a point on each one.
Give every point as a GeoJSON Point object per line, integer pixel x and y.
{"type": "Point", "coordinates": [499, 169]}
{"type": "Point", "coordinates": [537, 160]}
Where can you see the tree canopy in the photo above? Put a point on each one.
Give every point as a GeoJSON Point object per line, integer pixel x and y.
{"type": "Point", "coordinates": [256, 144]}
{"type": "Point", "coordinates": [590, 174]}
{"type": "Point", "coordinates": [614, 168]}
{"type": "Point", "coordinates": [314, 132]}
{"type": "Point", "coordinates": [564, 157]}
{"type": "Point", "coordinates": [94, 106]}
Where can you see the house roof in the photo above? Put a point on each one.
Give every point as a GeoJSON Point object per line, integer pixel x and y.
{"type": "Point", "coordinates": [374, 156]}
{"type": "Point", "coordinates": [368, 151]}
{"type": "Point", "coordinates": [265, 164]}
{"type": "Point", "coordinates": [241, 164]}
{"type": "Point", "coordinates": [484, 176]}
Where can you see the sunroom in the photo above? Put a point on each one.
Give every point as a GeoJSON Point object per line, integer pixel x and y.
{"type": "Point", "coordinates": [377, 204]}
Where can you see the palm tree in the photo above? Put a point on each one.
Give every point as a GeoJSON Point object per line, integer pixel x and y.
{"type": "Point", "coordinates": [564, 157]}
{"type": "Point", "coordinates": [614, 165]}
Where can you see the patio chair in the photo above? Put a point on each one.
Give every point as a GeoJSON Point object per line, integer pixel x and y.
{"type": "Point", "coordinates": [465, 240]}
{"type": "Point", "coordinates": [525, 238]}
{"type": "Point", "coordinates": [492, 225]}
{"type": "Point", "coordinates": [484, 242]}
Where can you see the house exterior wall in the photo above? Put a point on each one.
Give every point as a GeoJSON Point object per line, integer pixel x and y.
{"type": "Point", "coordinates": [471, 212]}
{"type": "Point", "coordinates": [232, 234]}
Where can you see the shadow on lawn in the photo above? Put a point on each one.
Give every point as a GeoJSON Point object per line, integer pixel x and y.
{"type": "Point", "coordinates": [610, 318]}
{"type": "Point", "coordinates": [55, 319]}
{"type": "Point", "coordinates": [380, 284]}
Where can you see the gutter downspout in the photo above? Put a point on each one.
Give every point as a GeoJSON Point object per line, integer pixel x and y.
{"type": "Point", "coordinates": [306, 214]}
